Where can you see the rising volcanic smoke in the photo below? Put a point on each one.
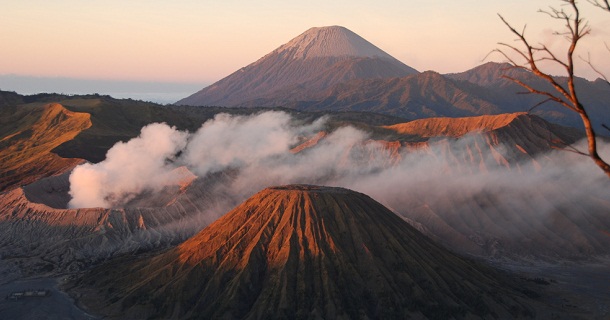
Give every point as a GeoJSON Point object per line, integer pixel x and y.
{"type": "Point", "coordinates": [143, 163]}
{"type": "Point", "coordinates": [258, 150]}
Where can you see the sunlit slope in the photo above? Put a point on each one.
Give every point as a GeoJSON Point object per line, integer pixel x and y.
{"type": "Point", "coordinates": [115, 120]}
{"type": "Point", "coordinates": [28, 135]}
{"type": "Point", "coordinates": [304, 252]}
{"type": "Point", "coordinates": [454, 127]}
{"type": "Point", "coordinates": [510, 138]}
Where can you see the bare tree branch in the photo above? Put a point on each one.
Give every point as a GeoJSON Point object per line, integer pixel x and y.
{"type": "Point", "coordinates": [600, 4]}
{"type": "Point", "coordinates": [575, 29]}
{"type": "Point", "coordinates": [529, 56]}
{"type": "Point", "coordinates": [550, 96]}
{"type": "Point", "coordinates": [588, 61]}
{"type": "Point", "coordinates": [539, 104]}
{"type": "Point", "coordinates": [570, 148]}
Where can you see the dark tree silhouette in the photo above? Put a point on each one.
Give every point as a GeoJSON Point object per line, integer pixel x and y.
{"type": "Point", "coordinates": [531, 55]}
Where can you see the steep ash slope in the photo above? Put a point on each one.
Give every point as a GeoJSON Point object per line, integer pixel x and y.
{"type": "Point", "coordinates": [313, 61]}
{"type": "Point", "coordinates": [304, 251]}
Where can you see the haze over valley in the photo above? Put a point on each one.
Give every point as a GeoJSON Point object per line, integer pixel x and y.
{"type": "Point", "coordinates": [325, 179]}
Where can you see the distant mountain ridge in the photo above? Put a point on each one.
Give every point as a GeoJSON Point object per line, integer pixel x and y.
{"type": "Point", "coordinates": [480, 91]}
{"type": "Point", "coordinates": [595, 95]}
{"type": "Point", "coordinates": [334, 69]}
{"type": "Point", "coordinates": [315, 60]}
{"type": "Point", "coordinates": [423, 95]}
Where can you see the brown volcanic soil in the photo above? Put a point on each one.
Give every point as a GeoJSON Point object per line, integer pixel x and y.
{"type": "Point", "coordinates": [27, 136]}
{"type": "Point", "coordinates": [529, 133]}
{"type": "Point", "coordinates": [304, 252]}
{"type": "Point", "coordinates": [510, 139]}
{"type": "Point", "coordinates": [454, 127]}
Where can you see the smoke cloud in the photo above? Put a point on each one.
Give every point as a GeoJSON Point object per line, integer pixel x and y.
{"type": "Point", "coordinates": [148, 162]}
{"type": "Point", "coordinates": [257, 150]}
{"type": "Point", "coordinates": [143, 163]}
{"type": "Point", "coordinates": [241, 141]}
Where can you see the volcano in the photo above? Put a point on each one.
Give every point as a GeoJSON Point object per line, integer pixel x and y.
{"type": "Point", "coordinates": [315, 60]}
{"type": "Point", "coordinates": [302, 251]}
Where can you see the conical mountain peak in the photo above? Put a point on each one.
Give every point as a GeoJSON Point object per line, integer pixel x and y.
{"type": "Point", "coordinates": [305, 252]}
{"type": "Point", "coordinates": [333, 41]}
{"type": "Point", "coordinates": [308, 188]}
{"type": "Point", "coordinates": [314, 61]}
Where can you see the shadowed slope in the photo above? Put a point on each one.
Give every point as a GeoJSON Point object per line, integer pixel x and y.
{"type": "Point", "coordinates": [594, 95]}
{"type": "Point", "coordinates": [427, 94]}
{"type": "Point", "coordinates": [40, 236]}
{"type": "Point", "coordinates": [544, 222]}
{"type": "Point", "coordinates": [304, 252]}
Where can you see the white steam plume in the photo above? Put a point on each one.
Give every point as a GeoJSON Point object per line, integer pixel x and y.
{"type": "Point", "coordinates": [147, 162]}
{"type": "Point", "coordinates": [257, 148]}
{"type": "Point", "coordinates": [241, 141]}
{"type": "Point", "coordinates": [143, 163]}
{"type": "Point", "coordinates": [462, 192]}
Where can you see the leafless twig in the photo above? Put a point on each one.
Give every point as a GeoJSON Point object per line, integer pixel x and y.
{"type": "Point", "coordinates": [575, 28]}
{"type": "Point", "coordinates": [599, 73]}
{"type": "Point", "coordinates": [600, 4]}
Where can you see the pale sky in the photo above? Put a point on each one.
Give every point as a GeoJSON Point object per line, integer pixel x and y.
{"type": "Point", "coordinates": [201, 41]}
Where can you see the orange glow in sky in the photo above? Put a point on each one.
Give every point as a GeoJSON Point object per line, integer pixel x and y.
{"type": "Point", "coordinates": [203, 41]}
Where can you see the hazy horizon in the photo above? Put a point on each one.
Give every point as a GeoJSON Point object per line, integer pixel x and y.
{"type": "Point", "coordinates": [197, 42]}
{"type": "Point", "coordinates": [158, 92]}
